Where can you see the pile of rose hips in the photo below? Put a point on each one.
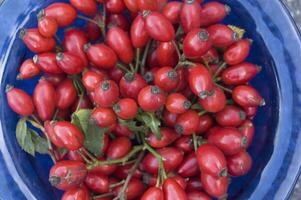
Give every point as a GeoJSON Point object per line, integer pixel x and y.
{"type": "Point", "coordinates": [138, 110]}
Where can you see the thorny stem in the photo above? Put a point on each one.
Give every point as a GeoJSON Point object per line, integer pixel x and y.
{"type": "Point", "coordinates": [195, 143]}
{"type": "Point", "coordinates": [117, 161]}
{"type": "Point", "coordinates": [142, 67]}
{"type": "Point", "coordinates": [122, 67]}
{"type": "Point", "coordinates": [122, 194]}
{"type": "Point", "coordinates": [224, 88]}
{"type": "Point", "coordinates": [137, 59]}
{"type": "Point", "coordinates": [219, 69]}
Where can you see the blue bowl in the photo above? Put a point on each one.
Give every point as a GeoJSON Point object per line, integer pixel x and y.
{"type": "Point", "coordinates": [277, 147]}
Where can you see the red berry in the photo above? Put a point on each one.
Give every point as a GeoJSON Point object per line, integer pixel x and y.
{"type": "Point", "coordinates": [69, 63]}
{"type": "Point", "coordinates": [213, 12]}
{"type": "Point", "coordinates": [139, 35]}
{"type": "Point", "coordinates": [134, 190]}
{"type": "Point", "coordinates": [168, 137]}
{"type": "Point", "coordinates": [47, 26]}
{"type": "Point", "coordinates": [215, 102]}
{"type": "Point", "coordinates": [97, 182]}
{"type": "Point", "coordinates": [79, 193]}
{"type": "Point", "coordinates": [47, 63]}
{"type": "Point", "coordinates": [172, 11]}
{"type": "Point", "coordinates": [28, 70]}
{"type": "Point", "coordinates": [91, 79]}
{"type": "Point", "coordinates": [131, 5]}
{"type": "Point", "coordinates": [106, 93]}
{"type": "Point", "coordinates": [131, 84]}
{"type": "Point", "coordinates": [177, 103]}
{"type": "Point", "coordinates": [222, 36]}
{"type": "Point", "coordinates": [239, 164]}
{"type": "Point", "coordinates": [187, 123]}
{"type": "Point", "coordinates": [194, 184]}
{"type": "Point", "coordinates": [151, 98]}
{"type": "Point", "coordinates": [247, 129]}
{"type": "Point", "coordinates": [169, 118]}
{"type": "Point", "coordinates": [205, 123]}
{"type": "Point", "coordinates": [247, 96]}
{"type": "Point", "coordinates": [153, 193]}
{"type": "Point", "coordinates": [88, 7]}
{"type": "Point", "coordinates": [115, 6]}
{"type": "Point", "coordinates": [63, 13]}
{"type": "Point", "coordinates": [237, 52]}
{"type": "Point", "coordinates": [118, 20]}
{"type": "Point", "coordinates": [230, 116]}
{"type": "Point", "coordinates": [126, 108]}
{"type": "Point", "coordinates": [189, 166]}
{"type": "Point", "coordinates": [215, 186]}
{"type": "Point", "coordinates": [190, 15]}
{"type": "Point", "coordinates": [119, 148]}
{"type": "Point", "coordinates": [166, 78]}
{"type": "Point", "coordinates": [197, 195]}
{"type": "Point", "coordinates": [167, 54]}
{"type": "Point", "coordinates": [104, 117]}
{"type": "Point", "coordinates": [173, 191]}
{"type": "Point", "coordinates": [66, 94]}
{"type": "Point", "coordinates": [185, 144]}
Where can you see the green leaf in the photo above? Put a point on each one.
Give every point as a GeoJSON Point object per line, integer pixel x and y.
{"type": "Point", "coordinates": [81, 119]}
{"type": "Point", "coordinates": [24, 137]}
{"type": "Point", "coordinates": [40, 143]}
{"type": "Point", "coordinates": [94, 139]}
{"type": "Point", "coordinates": [150, 120]}
{"type": "Point", "coordinates": [132, 125]}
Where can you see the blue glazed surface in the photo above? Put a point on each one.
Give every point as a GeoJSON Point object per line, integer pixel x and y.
{"type": "Point", "coordinates": [277, 146]}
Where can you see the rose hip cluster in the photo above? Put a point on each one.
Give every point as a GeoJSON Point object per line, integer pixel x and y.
{"type": "Point", "coordinates": [149, 100]}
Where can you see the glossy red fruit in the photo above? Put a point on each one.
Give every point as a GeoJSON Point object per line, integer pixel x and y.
{"type": "Point", "coordinates": [189, 166]}
{"type": "Point", "coordinates": [229, 140]}
{"type": "Point", "coordinates": [101, 56]}
{"type": "Point", "coordinates": [200, 81]}
{"type": "Point", "coordinates": [131, 84]}
{"type": "Point", "coordinates": [69, 135]}
{"type": "Point", "coordinates": [247, 129]}
{"type": "Point", "coordinates": [173, 191]}
{"type": "Point", "coordinates": [168, 137]}
{"type": "Point", "coordinates": [118, 20]}
{"type": "Point", "coordinates": [65, 94]}
{"type": "Point", "coordinates": [151, 98]}
{"type": "Point", "coordinates": [215, 102]}
{"type": "Point", "coordinates": [251, 111]}
{"type": "Point", "coordinates": [88, 7]}
{"type": "Point", "coordinates": [119, 147]}
{"type": "Point", "coordinates": [151, 5]}
{"type": "Point", "coordinates": [190, 15]}
{"type": "Point", "coordinates": [167, 54]}
{"type": "Point", "coordinates": [47, 26]}
{"type": "Point", "coordinates": [172, 11]}
{"type": "Point", "coordinates": [49, 130]}
{"type": "Point", "coordinates": [44, 98]}
{"type": "Point", "coordinates": [230, 116]}
{"type": "Point", "coordinates": [194, 184]}
{"type": "Point", "coordinates": [134, 190]}
{"type": "Point", "coordinates": [91, 79]}
{"type": "Point", "coordinates": [63, 13]}
{"type": "Point", "coordinates": [240, 74]}
{"type": "Point", "coordinates": [222, 36]}
{"type": "Point", "coordinates": [80, 193]}
{"type": "Point", "coordinates": [74, 41]}
{"type": "Point", "coordinates": [47, 63]}
{"type": "Point", "coordinates": [213, 12]}
{"type": "Point", "coordinates": [247, 96]}
{"type": "Point", "coordinates": [210, 57]}
{"type": "Point", "coordinates": [83, 103]}
{"type": "Point", "coordinates": [115, 74]}
{"type": "Point", "coordinates": [239, 164]}
{"type": "Point", "coordinates": [106, 93]}
{"type": "Point", "coordinates": [126, 108]}
{"type": "Point", "coordinates": [205, 123]}
{"type": "Point", "coordinates": [197, 195]}
{"type": "Point", "coordinates": [181, 181]}
{"type": "Point", "coordinates": [169, 118]}
{"type": "Point", "coordinates": [177, 103]}
{"type": "Point", "coordinates": [35, 41]}
{"type": "Point", "coordinates": [153, 193]}
{"type": "Point", "coordinates": [120, 42]}
{"type": "Point", "coordinates": [123, 171]}
{"type": "Point", "coordinates": [187, 123]}
{"type": "Point", "coordinates": [139, 35]}
{"type": "Point", "coordinates": [211, 160]}
{"type": "Point", "coordinates": [67, 174]}
{"type": "Point", "coordinates": [182, 75]}
{"type": "Point", "coordinates": [69, 63]}
{"type": "Point", "coordinates": [152, 60]}
{"type": "Point", "coordinates": [158, 26]}
{"type": "Point", "coordinates": [71, 155]}
{"type": "Point", "coordinates": [172, 158]}
{"type": "Point", "coordinates": [104, 117]}
{"type": "Point", "coordinates": [28, 70]}
{"type": "Point", "coordinates": [104, 169]}
{"type": "Point", "coordinates": [122, 130]}
{"type": "Point", "coordinates": [97, 182]}
{"type": "Point", "coordinates": [196, 43]}
{"type": "Point", "coordinates": [92, 30]}
{"type": "Point", "coordinates": [215, 187]}
{"type": "Point", "coordinates": [166, 78]}
{"type": "Point", "coordinates": [185, 144]}
{"type": "Point", "coordinates": [131, 5]}
{"type": "Point", "coordinates": [237, 52]}
{"type": "Point", "coordinates": [19, 101]}
{"type": "Point", "coordinates": [115, 6]}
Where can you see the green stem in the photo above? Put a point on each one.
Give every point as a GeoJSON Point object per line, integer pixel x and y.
{"type": "Point", "coordinates": [36, 125]}
{"type": "Point", "coordinates": [117, 161]}
{"type": "Point", "coordinates": [137, 59]}
{"type": "Point", "coordinates": [132, 67]}
{"type": "Point", "coordinates": [88, 19]}
{"type": "Point", "coordinates": [103, 195]}
{"type": "Point", "coordinates": [90, 156]}
{"type": "Point", "coordinates": [81, 97]}
{"type": "Point", "coordinates": [203, 112]}
{"type": "Point", "coordinates": [122, 194]}
{"type": "Point", "coordinates": [104, 16]}
{"type": "Point", "coordinates": [183, 63]}
{"type": "Point", "coordinates": [208, 67]}
{"type": "Point", "coordinates": [224, 88]}
{"type": "Point", "coordinates": [56, 113]}
{"type": "Point", "coordinates": [117, 184]}
{"type": "Point", "coordinates": [179, 31]}
{"type": "Point", "coordinates": [142, 68]}
{"type": "Point", "coordinates": [195, 142]}
{"type": "Point", "coordinates": [122, 67]}
{"type": "Point", "coordinates": [219, 69]}
{"type": "Point", "coordinates": [177, 49]}
{"type": "Point", "coordinates": [84, 157]}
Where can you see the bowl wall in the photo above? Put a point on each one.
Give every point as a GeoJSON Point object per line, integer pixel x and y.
{"type": "Point", "coordinates": [275, 149]}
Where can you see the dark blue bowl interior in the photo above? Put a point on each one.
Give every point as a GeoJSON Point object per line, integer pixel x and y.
{"type": "Point", "coordinates": [274, 150]}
